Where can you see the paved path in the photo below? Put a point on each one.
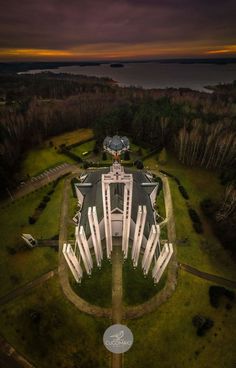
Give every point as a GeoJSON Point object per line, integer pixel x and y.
{"type": "Point", "coordinates": [31, 186]}
{"type": "Point", "coordinates": [207, 276]}
{"type": "Point", "coordinates": [10, 358]}
{"type": "Point", "coordinates": [22, 290]}
{"type": "Point", "coordinates": [80, 303]}
{"type": "Point", "coordinates": [117, 293]}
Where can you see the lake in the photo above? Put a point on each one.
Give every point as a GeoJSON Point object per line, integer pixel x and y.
{"type": "Point", "coordinates": [158, 75]}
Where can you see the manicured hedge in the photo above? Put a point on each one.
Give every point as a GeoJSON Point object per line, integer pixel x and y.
{"type": "Point", "coordinates": [183, 192]}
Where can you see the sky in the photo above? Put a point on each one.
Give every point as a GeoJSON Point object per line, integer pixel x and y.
{"type": "Point", "coordinates": [49, 30]}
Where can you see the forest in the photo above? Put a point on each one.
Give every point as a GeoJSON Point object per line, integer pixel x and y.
{"type": "Point", "coordinates": [198, 127]}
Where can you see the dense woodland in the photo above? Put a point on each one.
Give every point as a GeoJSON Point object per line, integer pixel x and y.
{"type": "Point", "coordinates": [199, 127]}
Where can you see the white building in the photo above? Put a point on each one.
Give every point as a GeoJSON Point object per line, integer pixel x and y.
{"type": "Point", "coordinates": [117, 203]}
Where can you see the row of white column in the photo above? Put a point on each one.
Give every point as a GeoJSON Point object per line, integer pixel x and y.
{"type": "Point", "coordinates": [107, 216]}
{"type": "Point", "coordinates": [162, 261]}
{"type": "Point", "coordinates": [95, 233]}
{"type": "Point", "coordinates": [151, 246]}
{"type": "Point", "coordinates": [127, 206]}
{"type": "Point", "coordinates": [82, 247]}
{"type": "Point", "coordinates": [138, 233]}
{"type": "Point", "coordinates": [72, 262]}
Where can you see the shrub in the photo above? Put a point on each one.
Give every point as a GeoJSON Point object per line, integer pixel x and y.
{"type": "Point", "coordinates": [183, 192]}
{"type": "Point", "coordinates": [217, 292]}
{"type": "Point", "coordinates": [104, 156]}
{"type": "Point", "coordinates": [139, 164]}
{"type": "Point", "coordinates": [42, 205]}
{"type": "Point", "coordinates": [194, 215]}
{"type": "Point", "coordinates": [198, 227]}
{"type": "Point", "coordinates": [166, 173]}
{"type": "Point", "coordinates": [85, 165]}
{"type": "Point", "coordinates": [32, 220]}
{"type": "Point", "coordinates": [177, 180]}
{"type": "Point", "coordinates": [202, 324]}
{"type": "Point", "coordinates": [46, 198]}
{"type": "Point", "coordinates": [51, 192]}
{"type": "Point", "coordinates": [126, 156]}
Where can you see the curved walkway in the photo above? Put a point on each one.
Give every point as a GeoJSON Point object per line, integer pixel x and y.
{"type": "Point", "coordinates": [80, 303]}
{"type": "Point", "coordinates": [207, 276]}
{"type": "Point", "coordinates": [25, 288]}
{"type": "Point", "coordinates": [128, 312]}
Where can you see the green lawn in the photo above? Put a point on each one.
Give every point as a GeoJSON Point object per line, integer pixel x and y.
{"type": "Point", "coordinates": [62, 337]}
{"type": "Point", "coordinates": [138, 289]}
{"type": "Point", "coordinates": [167, 336]}
{"type": "Point", "coordinates": [69, 138]}
{"type": "Point", "coordinates": [40, 159]}
{"type": "Point", "coordinates": [46, 156]}
{"type": "Point", "coordinates": [85, 147]}
{"type": "Point", "coordinates": [26, 264]}
{"type": "Point", "coordinates": [201, 250]}
{"type": "Point", "coordinates": [96, 289]}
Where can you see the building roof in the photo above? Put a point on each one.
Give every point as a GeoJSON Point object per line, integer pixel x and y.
{"type": "Point", "coordinates": [93, 197]}
{"type": "Point", "coordinates": [116, 143]}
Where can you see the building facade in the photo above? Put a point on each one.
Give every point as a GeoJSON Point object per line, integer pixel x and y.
{"type": "Point", "coordinates": [117, 205]}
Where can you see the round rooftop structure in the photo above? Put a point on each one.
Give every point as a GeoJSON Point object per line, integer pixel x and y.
{"type": "Point", "coordinates": [116, 144]}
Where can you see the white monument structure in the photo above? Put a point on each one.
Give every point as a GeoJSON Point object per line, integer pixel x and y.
{"type": "Point", "coordinates": [117, 204]}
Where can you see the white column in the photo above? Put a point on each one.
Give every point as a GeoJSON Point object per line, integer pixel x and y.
{"type": "Point", "coordinates": [136, 231]}
{"type": "Point", "coordinates": [127, 207]}
{"type": "Point", "coordinates": [162, 262]}
{"type": "Point", "coordinates": [150, 241]}
{"type": "Point", "coordinates": [72, 262]}
{"type": "Point", "coordinates": [94, 239]}
{"type": "Point", "coordinates": [107, 215]}
{"type": "Point", "coordinates": [86, 246]}
{"type": "Point", "coordinates": [151, 248]}
{"type": "Point", "coordinates": [79, 244]}
{"type": "Point", "coordinates": [97, 230]}
{"type": "Point", "coordinates": [140, 235]}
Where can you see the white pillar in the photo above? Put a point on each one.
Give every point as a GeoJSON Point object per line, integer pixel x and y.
{"type": "Point", "coordinates": [97, 230]}
{"type": "Point", "coordinates": [127, 207]}
{"type": "Point", "coordinates": [107, 215]}
{"type": "Point", "coordinates": [136, 230]}
{"type": "Point", "coordinates": [72, 262]}
{"type": "Point", "coordinates": [94, 238]}
{"type": "Point", "coordinates": [86, 246]}
{"type": "Point", "coordinates": [162, 262]}
{"type": "Point", "coordinates": [151, 248]}
{"type": "Point", "coordinates": [140, 236]}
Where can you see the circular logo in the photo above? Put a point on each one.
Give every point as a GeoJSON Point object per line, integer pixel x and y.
{"type": "Point", "coordinates": [118, 339]}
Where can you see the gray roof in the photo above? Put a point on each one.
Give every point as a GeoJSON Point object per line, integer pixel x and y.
{"type": "Point", "coordinates": [116, 143]}
{"type": "Point", "coordinates": [93, 197]}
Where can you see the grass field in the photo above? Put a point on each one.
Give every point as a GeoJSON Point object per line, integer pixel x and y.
{"type": "Point", "coordinates": [167, 336]}
{"type": "Point", "coordinates": [85, 147]}
{"type": "Point", "coordinates": [97, 288]}
{"type": "Point", "coordinates": [62, 336]}
{"type": "Point", "coordinates": [69, 138]}
{"type": "Point", "coordinates": [26, 264]}
{"type": "Point", "coordinates": [46, 156]}
{"type": "Point", "coordinates": [138, 289]}
{"type": "Point", "coordinates": [201, 250]}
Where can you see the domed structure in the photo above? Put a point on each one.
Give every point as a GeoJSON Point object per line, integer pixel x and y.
{"type": "Point", "coordinates": [116, 145]}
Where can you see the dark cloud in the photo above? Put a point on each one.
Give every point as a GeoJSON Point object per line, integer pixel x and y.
{"type": "Point", "coordinates": [59, 24]}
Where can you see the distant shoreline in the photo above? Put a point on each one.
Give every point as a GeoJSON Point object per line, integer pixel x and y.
{"type": "Point", "coordinates": [17, 67]}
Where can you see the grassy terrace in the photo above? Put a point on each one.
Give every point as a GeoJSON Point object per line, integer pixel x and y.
{"type": "Point", "coordinates": [60, 336]}
{"type": "Point", "coordinates": [168, 336]}
{"type": "Point", "coordinates": [201, 250]}
{"type": "Point", "coordinates": [26, 264]}
{"type": "Point", "coordinates": [65, 338]}
{"type": "Point", "coordinates": [46, 156]}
